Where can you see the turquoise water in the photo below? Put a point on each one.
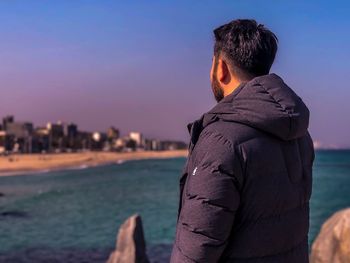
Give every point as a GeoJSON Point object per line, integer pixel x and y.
{"type": "Point", "coordinates": [82, 209]}
{"type": "Point", "coordinates": [331, 182]}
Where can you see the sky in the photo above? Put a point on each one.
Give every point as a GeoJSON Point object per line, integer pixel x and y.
{"type": "Point", "coordinates": [144, 65]}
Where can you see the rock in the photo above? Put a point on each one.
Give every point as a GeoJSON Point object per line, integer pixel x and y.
{"type": "Point", "coordinates": [131, 246]}
{"type": "Point", "coordinates": [333, 242]}
{"type": "Point", "coordinates": [2, 194]}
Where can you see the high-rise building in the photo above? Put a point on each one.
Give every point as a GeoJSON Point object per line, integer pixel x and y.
{"type": "Point", "coordinates": [70, 130]}
{"type": "Point", "coordinates": [6, 120]}
{"type": "Point", "coordinates": [112, 133]}
{"type": "Point", "coordinates": [137, 137]}
{"type": "Point", "coordinates": [21, 137]}
{"type": "Point", "coordinates": [41, 140]}
{"type": "Point", "coordinates": [56, 136]}
{"type": "Point", "coordinates": [19, 129]}
{"type": "Point", "coordinates": [20, 134]}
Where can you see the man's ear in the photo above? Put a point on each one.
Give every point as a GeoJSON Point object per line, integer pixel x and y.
{"type": "Point", "coordinates": [223, 71]}
{"type": "Point", "coordinates": [212, 68]}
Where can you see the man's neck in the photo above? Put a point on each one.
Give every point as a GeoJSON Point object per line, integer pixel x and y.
{"type": "Point", "coordinates": [229, 89]}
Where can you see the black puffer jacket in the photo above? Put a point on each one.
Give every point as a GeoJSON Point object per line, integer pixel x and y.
{"type": "Point", "coordinates": [246, 185]}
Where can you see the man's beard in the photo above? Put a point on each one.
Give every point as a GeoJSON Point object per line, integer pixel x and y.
{"type": "Point", "coordinates": [216, 88]}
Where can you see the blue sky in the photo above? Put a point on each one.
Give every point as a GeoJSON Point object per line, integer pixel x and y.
{"type": "Point", "coordinates": [144, 65]}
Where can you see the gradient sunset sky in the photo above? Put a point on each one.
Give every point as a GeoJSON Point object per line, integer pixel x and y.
{"type": "Point", "coordinates": [144, 65]}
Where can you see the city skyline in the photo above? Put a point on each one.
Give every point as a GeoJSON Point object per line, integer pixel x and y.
{"type": "Point", "coordinates": [122, 132]}
{"type": "Point", "coordinates": [145, 66]}
{"type": "Point", "coordinates": [56, 137]}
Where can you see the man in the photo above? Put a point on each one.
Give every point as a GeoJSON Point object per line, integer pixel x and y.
{"type": "Point", "coordinates": [246, 185]}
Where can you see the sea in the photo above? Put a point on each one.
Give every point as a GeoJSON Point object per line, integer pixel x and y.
{"type": "Point", "coordinates": [74, 215]}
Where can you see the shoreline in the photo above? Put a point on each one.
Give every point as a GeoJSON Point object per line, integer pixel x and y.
{"type": "Point", "coordinates": [27, 164]}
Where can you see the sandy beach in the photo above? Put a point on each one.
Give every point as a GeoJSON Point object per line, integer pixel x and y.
{"type": "Point", "coordinates": [29, 163]}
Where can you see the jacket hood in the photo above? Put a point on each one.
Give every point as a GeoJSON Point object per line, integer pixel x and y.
{"type": "Point", "coordinates": [265, 103]}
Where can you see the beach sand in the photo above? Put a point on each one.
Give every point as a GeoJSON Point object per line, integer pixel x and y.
{"type": "Point", "coordinates": [29, 163]}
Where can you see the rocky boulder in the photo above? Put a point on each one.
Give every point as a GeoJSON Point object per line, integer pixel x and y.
{"type": "Point", "coordinates": [333, 242]}
{"type": "Point", "coordinates": [131, 246]}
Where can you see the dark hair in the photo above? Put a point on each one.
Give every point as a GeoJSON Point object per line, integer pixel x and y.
{"type": "Point", "coordinates": [248, 47]}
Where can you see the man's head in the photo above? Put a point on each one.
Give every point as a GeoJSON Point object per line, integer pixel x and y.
{"type": "Point", "coordinates": [243, 50]}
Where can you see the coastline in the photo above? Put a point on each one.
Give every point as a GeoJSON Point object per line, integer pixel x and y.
{"type": "Point", "coordinates": [40, 163]}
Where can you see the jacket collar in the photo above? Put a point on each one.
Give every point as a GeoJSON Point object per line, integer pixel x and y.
{"type": "Point", "coordinates": [194, 128]}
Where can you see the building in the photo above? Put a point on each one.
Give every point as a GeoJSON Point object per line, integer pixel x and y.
{"type": "Point", "coordinates": [173, 145]}
{"type": "Point", "coordinates": [99, 141]}
{"type": "Point", "coordinates": [22, 137]}
{"type": "Point", "coordinates": [6, 142]}
{"type": "Point", "coordinates": [70, 130]}
{"type": "Point", "coordinates": [56, 134]}
{"type": "Point", "coordinates": [125, 144]}
{"type": "Point", "coordinates": [19, 134]}
{"type": "Point", "coordinates": [6, 120]}
{"type": "Point", "coordinates": [55, 129]}
{"type": "Point", "coordinates": [70, 134]}
{"type": "Point", "coordinates": [19, 129]}
{"type": "Point", "coordinates": [83, 141]}
{"type": "Point", "coordinates": [137, 137]}
{"type": "Point", "coordinates": [2, 142]}
{"type": "Point", "coordinates": [41, 140]}
{"type": "Point", "coordinates": [112, 134]}
{"type": "Point", "coordinates": [119, 144]}
{"type": "Point", "coordinates": [153, 145]}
